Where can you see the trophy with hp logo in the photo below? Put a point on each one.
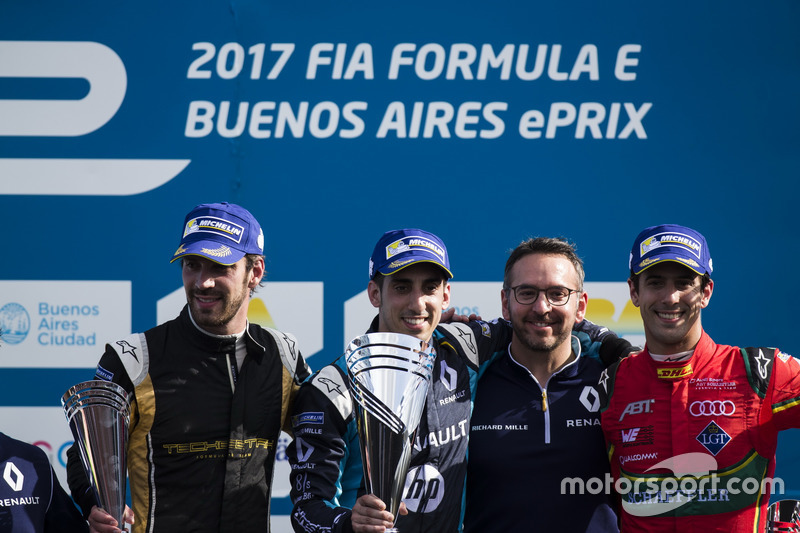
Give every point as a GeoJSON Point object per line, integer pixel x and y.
{"type": "Point", "coordinates": [389, 375]}
{"type": "Point", "coordinates": [99, 413]}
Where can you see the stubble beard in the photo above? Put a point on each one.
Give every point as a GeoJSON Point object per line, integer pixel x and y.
{"type": "Point", "coordinates": [208, 319]}
{"type": "Point", "coordinates": [535, 343]}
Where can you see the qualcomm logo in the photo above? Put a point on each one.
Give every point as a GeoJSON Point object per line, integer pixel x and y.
{"type": "Point", "coordinates": [13, 477]}
{"type": "Point", "coordinates": [105, 73]}
{"type": "Point", "coordinates": [15, 323]}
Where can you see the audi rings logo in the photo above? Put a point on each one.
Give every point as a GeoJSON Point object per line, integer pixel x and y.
{"type": "Point", "coordinates": [712, 408]}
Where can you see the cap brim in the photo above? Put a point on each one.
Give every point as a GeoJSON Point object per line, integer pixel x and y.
{"type": "Point", "coordinates": [390, 271]}
{"type": "Point", "coordinates": [211, 250]}
{"type": "Point", "coordinates": [689, 263]}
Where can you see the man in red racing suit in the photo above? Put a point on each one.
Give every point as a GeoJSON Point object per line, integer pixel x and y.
{"type": "Point", "coordinates": [692, 426]}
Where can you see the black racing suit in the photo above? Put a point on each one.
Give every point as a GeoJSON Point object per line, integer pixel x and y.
{"type": "Point", "coordinates": [203, 433]}
{"type": "Point", "coordinates": [325, 458]}
{"type": "Point", "coordinates": [325, 455]}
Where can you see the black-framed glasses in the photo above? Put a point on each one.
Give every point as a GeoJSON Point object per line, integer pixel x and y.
{"type": "Point", "coordinates": [527, 294]}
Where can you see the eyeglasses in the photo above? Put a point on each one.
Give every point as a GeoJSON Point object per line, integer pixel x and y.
{"type": "Point", "coordinates": [527, 294]}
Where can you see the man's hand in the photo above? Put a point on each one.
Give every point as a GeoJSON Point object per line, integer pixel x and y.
{"type": "Point", "coordinates": [370, 515]}
{"type": "Point", "coordinates": [102, 522]}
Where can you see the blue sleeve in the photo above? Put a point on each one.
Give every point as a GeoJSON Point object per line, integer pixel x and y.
{"type": "Point", "coordinates": [325, 458]}
{"type": "Point", "coordinates": [601, 343]}
{"type": "Point", "coordinates": [62, 514]}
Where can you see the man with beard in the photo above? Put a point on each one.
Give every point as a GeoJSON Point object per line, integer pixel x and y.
{"type": "Point", "coordinates": [210, 392]}
{"type": "Point", "coordinates": [536, 420]}
{"type": "Point", "coordinates": [409, 274]}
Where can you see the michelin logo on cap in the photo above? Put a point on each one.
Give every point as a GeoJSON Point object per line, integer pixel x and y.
{"type": "Point", "coordinates": [408, 243]}
{"type": "Point", "coordinates": [397, 249]}
{"type": "Point", "coordinates": [670, 239]}
{"type": "Point", "coordinates": [215, 225]}
{"type": "Point", "coordinates": [670, 242]}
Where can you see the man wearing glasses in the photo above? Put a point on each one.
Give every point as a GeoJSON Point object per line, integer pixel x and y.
{"type": "Point", "coordinates": [536, 420]}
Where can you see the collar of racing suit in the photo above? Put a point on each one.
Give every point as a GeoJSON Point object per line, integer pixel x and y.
{"type": "Point", "coordinates": [684, 369]}
{"type": "Point", "coordinates": [215, 344]}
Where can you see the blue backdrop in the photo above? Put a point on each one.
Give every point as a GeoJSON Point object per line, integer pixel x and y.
{"type": "Point", "coordinates": [333, 122]}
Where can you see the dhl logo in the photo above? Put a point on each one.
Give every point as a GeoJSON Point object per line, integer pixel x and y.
{"type": "Point", "coordinates": [674, 373]}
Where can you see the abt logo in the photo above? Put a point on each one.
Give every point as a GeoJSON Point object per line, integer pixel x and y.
{"type": "Point", "coordinates": [635, 408]}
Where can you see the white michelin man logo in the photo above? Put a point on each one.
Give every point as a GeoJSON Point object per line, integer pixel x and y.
{"type": "Point", "coordinates": [424, 489]}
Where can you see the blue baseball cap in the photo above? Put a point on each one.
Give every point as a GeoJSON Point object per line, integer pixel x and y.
{"type": "Point", "coordinates": [670, 242]}
{"type": "Point", "coordinates": [223, 233]}
{"type": "Point", "coordinates": [400, 248]}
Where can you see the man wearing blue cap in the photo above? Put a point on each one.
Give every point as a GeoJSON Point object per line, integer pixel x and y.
{"type": "Point", "coordinates": [210, 392]}
{"type": "Point", "coordinates": [409, 274]}
{"type": "Point", "coordinates": [692, 426]}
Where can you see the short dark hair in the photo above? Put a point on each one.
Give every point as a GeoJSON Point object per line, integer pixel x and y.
{"type": "Point", "coordinates": [250, 261]}
{"type": "Point", "coordinates": [378, 278]}
{"type": "Point", "coordinates": [544, 246]}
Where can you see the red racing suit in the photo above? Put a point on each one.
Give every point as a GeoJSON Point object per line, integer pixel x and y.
{"type": "Point", "coordinates": [691, 443]}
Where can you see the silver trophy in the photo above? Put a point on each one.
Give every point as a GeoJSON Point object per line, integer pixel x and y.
{"type": "Point", "coordinates": [98, 413]}
{"type": "Point", "coordinates": [389, 375]}
{"type": "Point", "coordinates": [784, 516]}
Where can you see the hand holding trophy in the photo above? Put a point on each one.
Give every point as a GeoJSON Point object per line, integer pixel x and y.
{"type": "Point", "coordinates": [389, 375]}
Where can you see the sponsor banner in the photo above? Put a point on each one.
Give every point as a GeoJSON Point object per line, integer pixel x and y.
{"type": "Point", "coordinates": [275, 305]}
{"type": "Point", "coordinates": [610, 306]}
{"type": "Point", "coordinates": [280, 480]}
{"type": "Point", "coordinates": [61, 324]}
